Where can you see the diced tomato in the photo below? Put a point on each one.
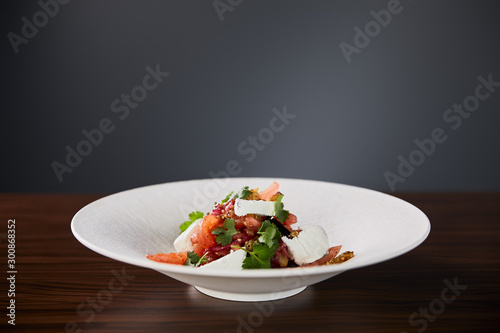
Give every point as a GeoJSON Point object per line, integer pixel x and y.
{"type": "Point", "coordinates": [203, 236]}
{"type": "Point", "coordinates": [239, 222]}
{"type": "Point", "coordinates": [291, 219]}
{"type": "Point", "coordinates": [198, 249]}
{"type": "Point", "coordinates": [252, 224]}
{"type": "Point", "coordinates": [169, 258]}
{"type": "Point", "coordinates": [239, 235]}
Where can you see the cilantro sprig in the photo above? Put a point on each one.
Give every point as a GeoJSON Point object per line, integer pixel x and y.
{"type": "Point", "coordinates": [194, 260]}
{"type": "Point", "coordinates": [226, 232]}
{"type": "Point", "coordinates": [260, 256]}
{"type": "Point", "coordinates": [281, 214]}
{"type": "Point", "coordinates": [243, 193]}
{"type": "Point", "coordinates": [265, 248]}
{"type": "Point", "coordinates": [269, 233]}
{"type": "Point", "coordinates": [193, 216]}
{"type": "Point", "coordinates": [228, 196]}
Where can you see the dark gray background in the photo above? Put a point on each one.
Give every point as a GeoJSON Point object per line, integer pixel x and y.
{"type": "Point", "coordinates": [352, 120]}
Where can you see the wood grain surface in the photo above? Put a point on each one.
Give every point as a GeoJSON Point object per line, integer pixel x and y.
{"type": "Point", "coordinates": [448, 284]}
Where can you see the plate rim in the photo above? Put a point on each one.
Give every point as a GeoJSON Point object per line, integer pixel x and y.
{"type": "Point", "coordinates": [249, 273]}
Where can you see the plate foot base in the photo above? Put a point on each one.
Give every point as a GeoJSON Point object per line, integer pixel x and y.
{"type": "Point", "coordinates": [241, 297]}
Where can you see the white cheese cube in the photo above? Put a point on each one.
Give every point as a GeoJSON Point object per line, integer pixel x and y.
{"type": "Point", "coordinates": [259, 207]}
{"type": "Point", "coordinates": [310, 245]}
{"type": "Point", "coordinates": [183, 241]}
{"type": "Point", "coordinates": [233, 261]}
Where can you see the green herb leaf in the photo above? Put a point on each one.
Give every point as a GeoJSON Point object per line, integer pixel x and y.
{"type": "Point", "coordinates": [269, 233]}
{"type": "Point", "coordinates": [243, 193]}
{"type": "Point", "coordinates": [225, 234]}
{"type": "Point", "coordinates": [260, 256]}
{"type": "Point", "coordinates": [281, 214]}
{"type": "Point", "coordinates": [194, 260]}
{"type": "Point", "coordinates": [193, 216]}
{"type": "Point", "coordinates": [265, 249]}
{"type": "Point", "coordinates": [228, 196]}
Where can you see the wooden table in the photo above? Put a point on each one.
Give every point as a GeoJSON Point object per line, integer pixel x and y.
{"type": "Point", "coordinates": [448, 284]}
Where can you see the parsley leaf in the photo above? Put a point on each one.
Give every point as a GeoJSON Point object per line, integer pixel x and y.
{"type": "Point", "coordinates": [228, 196]}
{"type": "Point", "coordinates": [264, 249]}
{"type": "Point", "coordinates": [243, 193]}
{"type": "Point", "coordinates": [194, 260]}
{"type": "Point", "coordinates": [193, 216]}
{"type": "Point", "coordinates": [269, 233]}
{"type": "Point", "coordinates": [260, 256]}
{"type": "Point", "coordinates": [225, 234]}
{"type": "Point", "coordinates": [281, 214]}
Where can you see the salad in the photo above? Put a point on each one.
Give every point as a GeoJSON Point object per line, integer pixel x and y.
{"type": "Point", "coordinates": [250, 229]}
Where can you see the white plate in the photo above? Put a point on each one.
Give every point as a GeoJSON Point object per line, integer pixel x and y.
{"type": "Point", "coordinates": [129, 225]}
